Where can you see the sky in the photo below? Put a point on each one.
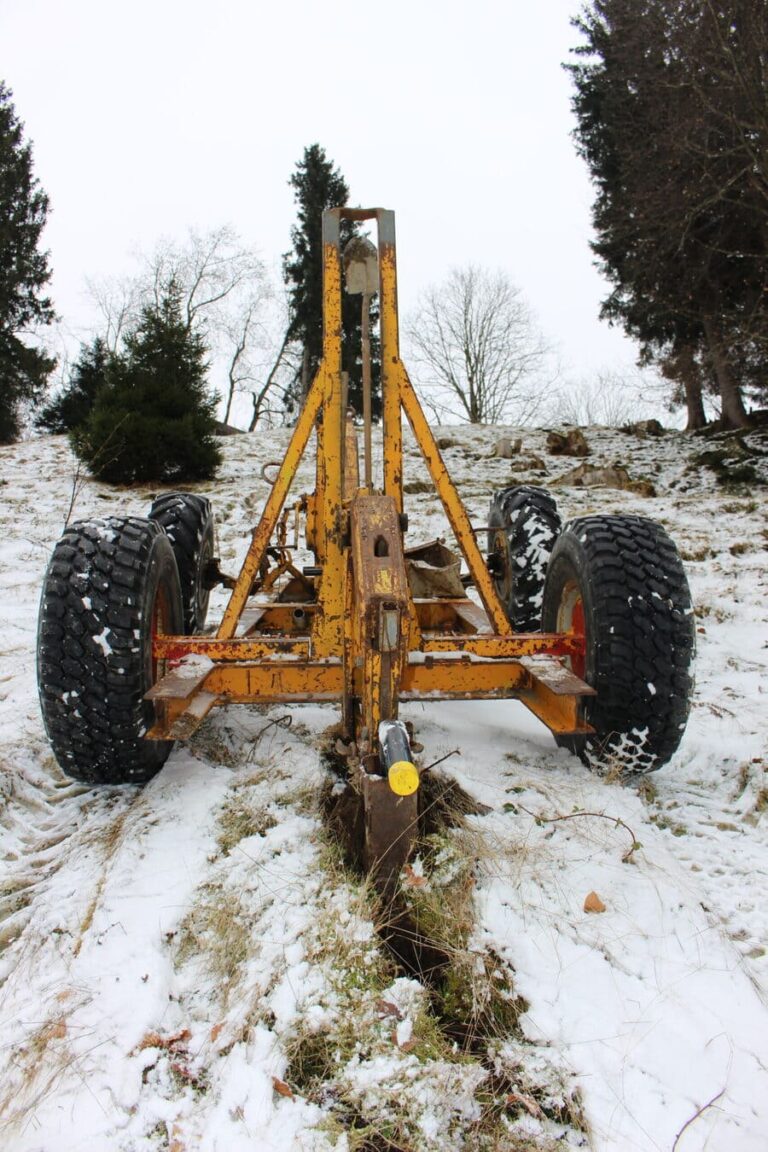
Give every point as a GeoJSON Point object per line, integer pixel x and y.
{"type": "Point", "coordinates": [151, 118]}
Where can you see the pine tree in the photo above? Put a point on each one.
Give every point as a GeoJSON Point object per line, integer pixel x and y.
{"type": "Point", "coordinates": [24, 273]}
{"type": "Point", "coordinates": [73, 405]}
{"type": "Point", "coordinates": [673, 123]}
{"type": "Point", "coordinates": [153, 419]}
{"type": "Point", "coordinates": [318, 185]}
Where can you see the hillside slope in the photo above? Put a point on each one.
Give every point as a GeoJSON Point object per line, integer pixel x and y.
{"type": "Point", "coordinates": [192, 966]}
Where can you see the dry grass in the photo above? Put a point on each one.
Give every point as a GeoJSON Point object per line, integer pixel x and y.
{"type": "Point", "coordinates": [216, 929]}
{"type": "Point", "coordinates": [217, 744]}
{"type": "Point", "coordinates": [394, 1064]}
{"type": "Point", "coordinates": [302, 798]}
{"type": "Point", "coordinates": [110, 837]}
{"type": "Point", "coordinates": [38, 1062]}
{"type": "Point", "coordinates": [240, 818]}
{"type": "Point", "coordinates": [460, 1026]}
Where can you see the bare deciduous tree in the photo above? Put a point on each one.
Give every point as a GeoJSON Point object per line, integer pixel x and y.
{"type": "Point", "coordinates": [118, 299]}
{"type": "Point", "coordinates": [261, 359]}
{"type": "Point", "coordinates": [475, 349]}
{"type": "Point", "coordinates": [610, 398]}
{"type": "Point", "coordinates": [209, 269]}
{"type": "Point", "coordinates": [225, 293]}
{"type": "Point", "coordinates": [261, 395]}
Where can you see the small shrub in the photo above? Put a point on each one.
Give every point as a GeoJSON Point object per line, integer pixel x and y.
{"type": "Point", "coordinates": [74, 404]}
{"type": "Point", "coordinates": [153, 420]}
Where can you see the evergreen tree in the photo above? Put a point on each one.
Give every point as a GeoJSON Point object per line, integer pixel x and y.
{"type": "Point", "coordinates": [318, 185]}
{"type": "Point", "coordinates": [152, 419]}
{"type": "Point", "coordinates": [673, 123]}
{"type": "Point", "coordinates": [73, 405]}
{"type": "Point", "coordinates": [24, 273]}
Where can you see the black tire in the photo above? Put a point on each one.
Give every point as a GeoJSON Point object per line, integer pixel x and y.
{"type": "Point", "coordinates": [619, 579]}
{"type": "Point", "coordinates": [188, 522]}
{"type": "Point", "coordinates": [109, 583]}
{"type": "Point", "coordinates": [524, 525]}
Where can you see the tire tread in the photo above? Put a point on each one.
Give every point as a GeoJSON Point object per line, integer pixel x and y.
{"type": "Point", "coordinates": [187, 520]}
{"type": "Point", "coordinates": [643, 640]}
{"type": "Point", "coordinates": [530, 519]}
{"type": "Point", "coordinates": [91, 691]}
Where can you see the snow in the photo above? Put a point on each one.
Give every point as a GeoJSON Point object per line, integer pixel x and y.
{"type": "Point", "coordinates": [162, 951]}
{"type": "Point", "coordinates": [102, 641]}
{"type": "Point", "coordinates": [647, 1001]}
{"type": "Point", "coordinates": [193, 667]}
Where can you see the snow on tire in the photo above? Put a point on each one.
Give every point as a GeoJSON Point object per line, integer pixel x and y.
{"type": "Point", "coordinates": [110, 584]}
{"type": "Point", "coordinates": [523, 527]}
{"type": "Point", "coordinates": [619, 581]}
{"type": "Point", "coordinates": [188, 522]}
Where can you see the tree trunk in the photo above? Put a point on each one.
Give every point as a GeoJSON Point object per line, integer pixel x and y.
{"type": "Point", "coordinates": [258, 398]}
{"type": "Point", "coordinates": [697, 417]}
{"type": "Point", "coordinates": [256, 401]}
{"type": "Point", "coordinates": [304, 377]}
{"type": "Point", "coordinates": [733, 414]}
{"type": "Point", "coordinates": [688, 374]}
{"type": "Point", "coordinates": [230, 397]}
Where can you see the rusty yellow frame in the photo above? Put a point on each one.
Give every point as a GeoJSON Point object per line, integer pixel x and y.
{"type": "Point", "coordinates": [443, 650]}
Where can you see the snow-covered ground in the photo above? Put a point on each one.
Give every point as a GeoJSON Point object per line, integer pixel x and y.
{"type": "Point", "coordinates": [189, 966]}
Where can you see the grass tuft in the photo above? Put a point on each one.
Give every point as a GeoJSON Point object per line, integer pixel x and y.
{"type": "Point", "coordinates": [241, 818]}
{"type": "Point", "coordinates": [217, 928]}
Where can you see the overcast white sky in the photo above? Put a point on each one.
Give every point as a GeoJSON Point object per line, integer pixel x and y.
{"type": "Point", "coordinates": [151, 117]}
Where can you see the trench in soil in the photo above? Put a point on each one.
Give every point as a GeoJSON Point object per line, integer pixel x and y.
{"type": "Point", "coordinates": [443, 805]}
{"type": "Point", "coordinates": [442, 970]}
{"type": "Point", "coordinates": [453, 1027]}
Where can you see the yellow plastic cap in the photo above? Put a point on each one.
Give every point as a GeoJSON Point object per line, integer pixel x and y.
{"type": "Point", "coordinates": [403, 778]}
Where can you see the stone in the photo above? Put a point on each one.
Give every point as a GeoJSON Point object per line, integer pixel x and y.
{"type": "Point", "coordinates": [505, 449]}
{"type": "Point", "coordinates": [571, 443]}
{"type": "Point", "coordinates": [529, 463]}
{"type": "Point", "coordinates": [644, 428]}
{"type": "Point", "coordinates": [612, 476]}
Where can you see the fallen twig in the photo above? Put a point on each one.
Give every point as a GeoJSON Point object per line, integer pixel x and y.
{"type": "Point", "coordinates": [283, 721]}
{"type": "Point", "coordinates": [695, 1116]}
{"type": "Point", "coordinates": [615, 820]}
{"type": "Point", "coordinates": [78, 480]}
{"type": "Point", "coordinates": [434, 764]}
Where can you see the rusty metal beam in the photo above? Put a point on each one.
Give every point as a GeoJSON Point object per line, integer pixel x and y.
{"type": "Point", "coordinates": [379, 607]}
{"type": "Point", "coordinates": [267, 683]}
{"type": "Point", "coordinates": [391, 367]}
{"type": "Point", "coordinates": [351, 460]}
{"type": "Point", "coordinates": [554, 694]}
{"type": "Point", "coordinates": [174, 648]}
{"type": "Point", "coordinates": [181, 723]}
{"type": "Point", "coordinates": [328, 622]}
{"type": "Point", "coordinates": [445, 615]}
{"type": "Point", "coordinates": [454, 509]}
{"type": "Point", "coordinates": [504, 647]}
{"type": "Point", "coordinates": [428, 677]}
{"type": "Point", "coordinates": [545, 687]}
{"type": "Point", "coordinates": [391, 825]}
